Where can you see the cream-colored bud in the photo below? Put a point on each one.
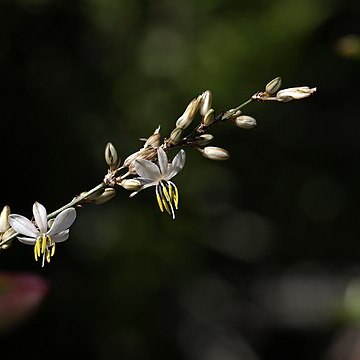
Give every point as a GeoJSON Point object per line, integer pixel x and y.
{"type": "Point", "coordinates": [215, 153]}
{"type": "Point", "coordinates": [107, 195]}
{"type": "Point", "coordinates": [154, 140]}
{"type": "Point", "coordinates": [4, 222]}
{"type": "Point", "coordinates": [8, 233]}
{"type": "Point", "coordinates": [130, 184]}
{"type": "Point", "coordinates": [205, 102]}
{"type": "Point", "coordinates": [209, 117]}
{"type": "Point", "coordinates": [273, 86]}
{"type": "Point", "coordinates": [188, 116]}
{"type": "Point", "coordinates": [295, 93]}
{"type": "Point", "coordinates": [245, 122]}
{"type": "Point", "coordinates": [111, 156]}
{"type": "Point", "coordinates": [5, 246]}
{"type": "Point", "coordinates": [202, 140]}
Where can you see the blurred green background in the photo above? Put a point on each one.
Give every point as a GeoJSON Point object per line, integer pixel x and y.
{"type": "Point", "coordinates": [262, 261]}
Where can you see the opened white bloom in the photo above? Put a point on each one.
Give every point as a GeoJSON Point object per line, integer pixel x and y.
{"type": "Point", "coordinates": [41, 235]}
{"type": "Point", "coordinates": [295, 93]}
{"type": "Point", "coordinates": [159, 175]}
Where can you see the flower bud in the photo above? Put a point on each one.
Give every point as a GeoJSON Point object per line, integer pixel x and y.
{"type": "Point", "coordinates": [209, 117]}
{"type": "Point", "coordinates": [205, 102]}
{"type": "Point", "coordinates": [8, 233]}
{"type": "Point", "coordinates": [175, 136]}
{"type": "Point", "coordinates": [245, 122]}
{"type": "Point", "coordinates": [154, 139]}
{"type": "Point", "coordinates": [188, 116]}
{"type": "Point", "coordinates": [215, 153]}
{"type": "Point", "coordinates": [107, 195]}
{"type": "Point", "coordinates": [130, 184]}
{"type": "Point", "coordinates": [295, 93]}
{"type": "Point", "coordinates": [273, 86]}
{"type": "Point", "coordinates": [202, 140]}
{"type": "Point", "coordinates": [111, 156]}
{"type": "Point", "coordinates": [4, 223]}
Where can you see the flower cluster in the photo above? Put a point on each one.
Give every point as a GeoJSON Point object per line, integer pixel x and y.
{"type": "Point", "coordinates": [148, 166]}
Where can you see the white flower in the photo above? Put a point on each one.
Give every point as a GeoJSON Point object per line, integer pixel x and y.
{"type": "Point", "coordinates": [41, 236]}
{"type": "Point", "coordinates": [295, 93]}
{"type": "Point", "coordinates": [159, 176]}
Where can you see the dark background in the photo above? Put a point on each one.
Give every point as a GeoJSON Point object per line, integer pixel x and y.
{"type": "Point", "coordinates": [262, 260]}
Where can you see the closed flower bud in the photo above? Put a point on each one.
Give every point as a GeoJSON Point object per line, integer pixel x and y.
{"type": "Point", "coordinates": [107, 195]}
{"type": "Point", "coordinates": [175, 136]}
{"type": "Point", "coordinates": [245, 122]}
{"type": "Point", "coordinates": [209, 117]}
{"type": "Point", "coordinates": [202, 140]}
{"type": "Point", "coordinates": [295, 93]}
{"type": "Point", "coordinates": [111, 156]}
{"type": "Point", "coordinates": [188, 116]}
{"type": "Point", "coordinates": [205, 102]}
{"type": "Point", "coordinates": [130, 184]}
{"type": "Point", "coordinates": [215, 153]}
{"type": "Point", "coordinates": [273, 86]}
{"type": "Point", "coordinates": [4, 222]}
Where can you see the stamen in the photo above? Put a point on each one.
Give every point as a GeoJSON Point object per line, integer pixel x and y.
{"type": "Point", "coordinates": [176, 195]}
{"type": "Point", "coordinates": [159, 199]}
{"type": "Point", "coordinates": [165, 191]}
{"type": "Point", "coordinates": [166, 205]}
{"type": "Point", "coordinates": [53, 249]}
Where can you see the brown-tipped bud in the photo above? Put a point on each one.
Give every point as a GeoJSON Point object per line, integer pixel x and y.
{"type": "Point", "coordinates": [107, 195]}
{"type": "Point", "coordinates": [130, 184]}
{"type": "Point", "coordinates": [202, 140]}
{"type": "Point", "coordinates": [4, 222]}
{"type": "Point", "coordinates": [209, 117]}
{"type": "Point", "coordinates": [175, 136]}
{"type": "Point", "coordinates": [205, 102]}
{"type": "Point", "coordinates": [245, 122]}
{"type": "Point", "coordinates": [154, 140]}
{"type": "Point", "coordinates": [273, 86]}
{"type": "Point", "coordinates": [188, 116]}
{"type": "Point", "coordinates": [295, 93]}
{"type": "Point", "coordinates": [111, 156]}
{"type": "Point", "coordinates": [215, 153]}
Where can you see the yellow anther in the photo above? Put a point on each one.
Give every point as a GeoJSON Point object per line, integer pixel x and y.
{"type": "Point", "coordinates": [37, 247]}
{"type": "Point", "coordinates": [170, 191]}
{"type": "Point", "coordinates": [176, 197]}
{"type": "Point", "coordinates": [53, 249]}
{"type": "Point", "coordinates": [35, 251]}
{"type": "Point", "coordinates": [166, 206]}
{"type": "Point", "coordinates": [159, 202]}
{"type": "Point", "coordinates": [165, 192]}
{"type": "Point", "coordinates": [48, 256]}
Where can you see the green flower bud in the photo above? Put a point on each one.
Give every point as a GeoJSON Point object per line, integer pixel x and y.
{"type": "Point", "coordinates": [209, 117]}
{"type": "Point", "coordinates": [175, 136]}
{"type": "Point", "coordinates": [273, 86]}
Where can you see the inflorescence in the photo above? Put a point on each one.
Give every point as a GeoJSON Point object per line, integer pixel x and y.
{"type": "Point", "coordinates": [146, 167]}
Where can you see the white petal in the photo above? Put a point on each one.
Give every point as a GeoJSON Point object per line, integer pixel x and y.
{"type": "Point", "coordinates": [27, 240]}
{"type": "Point", "coordinates": [147, 169]}
{"type": "Point", "coordinates": [177, 164]}
{"type": "Point", "coordinates": [162, 160]}
{"type": "Point", "coordinates": [60, 237]}
{"type": "Point", "coordinates": [63, 221]}
{"type": "Point", "coordinates": [23, 225]}
{"type": "Point", "coordinates": [40, 216]}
